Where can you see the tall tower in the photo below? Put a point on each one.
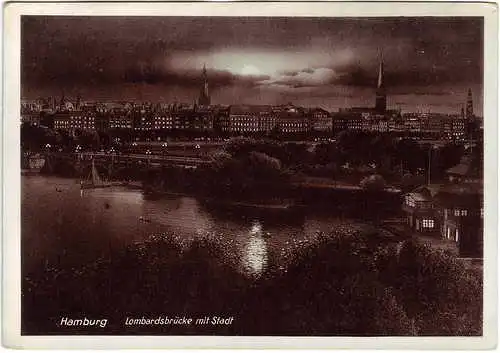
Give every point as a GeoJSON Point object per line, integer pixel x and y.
{"type": "Point", "coordinates": [381, 98]}
{"type": "Point", "coordinates": [204, 98]}
{"type": "Point", "coordinates": [469, 112]}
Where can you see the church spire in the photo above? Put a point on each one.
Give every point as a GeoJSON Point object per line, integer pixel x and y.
{"type": "Point", "coordinates": [380, 82]}
{"type": "Point", "coordinates": [469, 111]}
{"type": "Point", "coordinates": [381, 97]}
{"type": "Point", "coordinates": [204, 98]}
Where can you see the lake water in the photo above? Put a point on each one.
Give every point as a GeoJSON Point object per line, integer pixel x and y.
{"type": "Point", "coordinates": [65, 227]}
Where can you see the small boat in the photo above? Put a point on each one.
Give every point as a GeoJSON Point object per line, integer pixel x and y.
{"type": "Point", "coordinates": [95, 181]}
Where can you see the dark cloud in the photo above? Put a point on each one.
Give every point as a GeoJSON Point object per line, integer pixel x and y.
{"type": "Point", "coordinates": [62, 51]}
{"type": "Point", "coordinates": [289, 73]}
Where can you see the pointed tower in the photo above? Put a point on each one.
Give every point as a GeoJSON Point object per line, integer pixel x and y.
{"type": "Point", "coordinates": [469, 112]}
{"type": "Point", "coordinates": [381, 98]}
{"type": "Point", "coordinates": [204, 98]}
{"type": "Point", "coordinates": [78, 102]}
{"type": "Point", "coordinates": [62, 101]}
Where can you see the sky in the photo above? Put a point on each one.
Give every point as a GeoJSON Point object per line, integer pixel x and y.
{"type": "Point", "coordinates": [429, 62]}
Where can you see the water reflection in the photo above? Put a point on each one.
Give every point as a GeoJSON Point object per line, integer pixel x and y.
{"type": "Point", "coordinates": [256, 228]}
{"type": "Point", "coordinates": [85, 224]}
{"type": "Point", "coordinates": [255, 253]}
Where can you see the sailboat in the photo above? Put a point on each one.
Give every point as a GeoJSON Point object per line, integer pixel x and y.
{"type": "Point", "coordinates": [95, 181]}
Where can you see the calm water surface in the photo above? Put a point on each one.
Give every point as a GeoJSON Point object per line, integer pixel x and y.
{"type": "Point", "coordinates": [66, 227]}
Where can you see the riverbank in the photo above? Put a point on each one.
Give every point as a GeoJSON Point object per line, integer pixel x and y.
{"type": "Point", "coordinates": [281, 196]}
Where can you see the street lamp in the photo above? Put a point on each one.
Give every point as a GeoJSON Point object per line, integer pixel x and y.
{"type": "Point", "coordinates": [431, 147]}
{"type": "Point", "coordinates": [164, 145]}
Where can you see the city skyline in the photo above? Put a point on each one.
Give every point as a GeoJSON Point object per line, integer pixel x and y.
{"type": "Point", "coordinates": [430, 63]}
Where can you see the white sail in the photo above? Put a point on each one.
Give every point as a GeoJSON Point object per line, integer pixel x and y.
{"type": "Point", "coordinates": [96, 179]}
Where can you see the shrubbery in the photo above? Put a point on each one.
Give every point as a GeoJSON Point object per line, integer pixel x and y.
{"type": "Point", "coordinates": [343, 284]}
{"type": "Point", "coordinates": [373, 182]}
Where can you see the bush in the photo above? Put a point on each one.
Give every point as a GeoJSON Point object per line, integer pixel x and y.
{"type": "Point", "coordinates": [373, 182]}
{"type": "Point", "coordinates": [349, 282]}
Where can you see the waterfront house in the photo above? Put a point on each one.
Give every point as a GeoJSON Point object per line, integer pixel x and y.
{"type": "Point", "coordinates": [420, 209]}
{"type": "Point", "coordinates": [460, 210]}
{"type": "Point", "coordinates": [453, 212]}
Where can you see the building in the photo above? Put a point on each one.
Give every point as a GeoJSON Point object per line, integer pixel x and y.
{"type": "Point", "coordinates": [348, 119]}
{"type": "Point", "coordinates": [339, 122]}
{"type": "Point", "coordinates": [469, 170]}
{"type": "Point", "coordinates": [420, 209]}
{"type": "Point", "coordinates": [74, 120]}
{"type": "Point", "coordinates": [412, 123]}
{"type": "Point", "coordinates": [249, 119]}
{"type": "Point", "coordinates": [202, 118]}
{"type": "Point", "coordinates": [120, 120]}
{"type": "Point", "coordinates": [292, 120]}
{"type": "Point", "coordinates": [453, 212]}
{"type": "Point", "coordinates": [460, 209]}
{"type": "Point", "coordinates": [62, 121]}
{"type": "Point", "coordinates": [431, 125]}
{"type": "Point", "coordinates": [31, 117]}
{"type": "Point", "coordinates": [181, 113]}
{"type": "Point", "coordinates": [31, 106]}
{"type": "Point", "coordinates": [163, 120]}
{"type": "Point", "coordinates": [367, 118]}
{"type": "Point", "coordinates": [319, 120]}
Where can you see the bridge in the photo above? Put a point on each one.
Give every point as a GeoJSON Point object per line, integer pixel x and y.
{"type": "Point", "coordinates": [150, 160]}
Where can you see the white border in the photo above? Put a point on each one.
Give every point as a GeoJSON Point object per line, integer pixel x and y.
{"type": "Point", "coordinates": [11, 171]}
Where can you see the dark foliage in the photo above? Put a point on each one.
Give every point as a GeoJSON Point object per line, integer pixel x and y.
{"type": "Point", "coordinates": [344, 284]}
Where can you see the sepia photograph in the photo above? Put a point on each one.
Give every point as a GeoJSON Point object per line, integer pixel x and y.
{"type": "Point", "coordinates": [218, 174]}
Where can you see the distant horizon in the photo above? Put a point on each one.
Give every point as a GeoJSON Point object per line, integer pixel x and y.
{"type": "Point", "coordinates": [331, 63]}
{"type": "Point", "coordinates": [134, 100]}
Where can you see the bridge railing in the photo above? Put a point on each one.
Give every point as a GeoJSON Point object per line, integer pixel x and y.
{"type": "Point", "coordinates": [134, 157]}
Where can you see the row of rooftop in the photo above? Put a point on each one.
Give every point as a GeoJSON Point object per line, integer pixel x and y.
{"type": "Point", "coordinates": [120, 108]}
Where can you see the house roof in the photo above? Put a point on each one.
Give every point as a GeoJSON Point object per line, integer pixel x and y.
{"type": "Point", "coordinates": [469, 165]}
{"type": "Point", "coordinates": [246, 109]}
{"type": "Point", "coordinates": [460, 169]}
{"type": "Point", "coordinates": [450, 195]}
{"type": "Point", "coordinates": [429, 190]}
{"type": "Point", "coordinates": [420, 196]}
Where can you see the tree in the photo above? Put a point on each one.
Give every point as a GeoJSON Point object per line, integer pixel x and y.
{"type": "Point", "coordinates": [411, 181]}
{"type": "Point", "coordinates": [410, 155]}
{"type": "Point", "coordinates": [373, 182]}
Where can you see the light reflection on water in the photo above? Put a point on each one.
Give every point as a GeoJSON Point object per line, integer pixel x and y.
{"type": "Point", "coordinates": [254, 257]}
{"type": "Point", "coordinates": [84, 225]}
